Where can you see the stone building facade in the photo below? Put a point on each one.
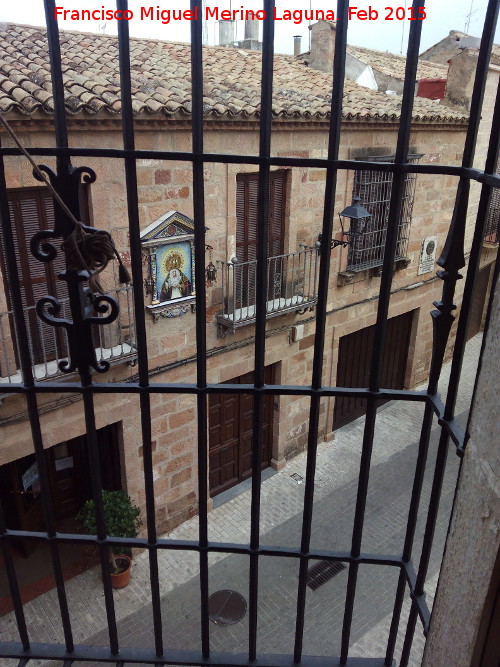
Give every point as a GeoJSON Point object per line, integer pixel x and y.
{"type": "Point", "coordinates": [300, 129]}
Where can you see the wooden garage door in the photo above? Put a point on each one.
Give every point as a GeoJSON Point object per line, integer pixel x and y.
{"type": "Point", "coordinates": [353, 368]}
{"type": "Point", "coordinates": [231, 428]}
{"type": "Point", "coordinates": [478, 301]}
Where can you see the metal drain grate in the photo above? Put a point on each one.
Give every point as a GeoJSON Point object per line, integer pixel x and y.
{"type": "Point", "coordinates": [319, 574]}
{"type": "Point", "coordinates": [226, 607]}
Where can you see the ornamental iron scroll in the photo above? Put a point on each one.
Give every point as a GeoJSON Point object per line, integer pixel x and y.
{"type": "Point", "coordinates": [87, 252]}
{"type": "Point", "coordinates": [84, 304]}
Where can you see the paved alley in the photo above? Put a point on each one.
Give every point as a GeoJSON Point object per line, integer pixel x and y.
{"type": "Point", "coordinates": [390, 484]}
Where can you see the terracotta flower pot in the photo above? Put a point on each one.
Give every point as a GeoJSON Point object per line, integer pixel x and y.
{"type": "Point", "coordinates": [121, 578]}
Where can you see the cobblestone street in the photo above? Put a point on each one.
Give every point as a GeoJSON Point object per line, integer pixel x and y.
{"type": "Point", "coordinates": [391, 479]}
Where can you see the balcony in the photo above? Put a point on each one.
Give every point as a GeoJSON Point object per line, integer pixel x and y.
{"type": "Point", "coordinates": [291, 287]}
{"type": "Point", "coordinates": [48, 346]}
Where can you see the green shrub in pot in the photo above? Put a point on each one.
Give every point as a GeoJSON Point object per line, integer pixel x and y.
{"type": "Point", "coordinates": [122, 518]}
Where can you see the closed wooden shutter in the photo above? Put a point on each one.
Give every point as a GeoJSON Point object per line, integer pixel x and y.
{"type": "Point", "coordinates": [32, 209]}
{"type": "Point", "coordinates": [247, 186]}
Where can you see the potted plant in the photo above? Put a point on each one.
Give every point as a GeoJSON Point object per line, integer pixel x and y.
{"type": "Point", "coordinates": [122, 519]}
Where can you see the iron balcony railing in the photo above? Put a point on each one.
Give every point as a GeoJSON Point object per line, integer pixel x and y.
{"type": "Point", "coordinates": [114, 342]}
{"type": "Point", "coordinates": [291, 286]}
{"type": "Point", "coordinates": [492, 228]}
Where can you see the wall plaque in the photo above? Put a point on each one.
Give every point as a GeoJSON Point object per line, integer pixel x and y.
{"type": "Point", "coordinates": [427, 255]}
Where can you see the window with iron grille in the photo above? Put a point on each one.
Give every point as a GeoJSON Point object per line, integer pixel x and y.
{"type": "Point", "coordinates": [492, 226]}
{"type": "Point", "coordinates": [121, 643]}
{"type": "Point", "coordinates": [374, 188]}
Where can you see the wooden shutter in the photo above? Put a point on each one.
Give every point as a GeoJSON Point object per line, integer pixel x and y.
{"type": "Point", "coordinates": [32, 209]}
{"type": "Point", "coordinates": [247, 186]}
{"type": "Point", "coordinates": [277, 213]}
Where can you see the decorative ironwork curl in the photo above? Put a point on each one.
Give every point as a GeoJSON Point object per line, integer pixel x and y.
{"type": "Point", "coordinates": [88, 174]}
{"type": "Point", "coordinates": [47, 308]}
{"type": "Point", "coordinates": [104, 303]}
{"type": "Point", "coordinates": [43, 251]}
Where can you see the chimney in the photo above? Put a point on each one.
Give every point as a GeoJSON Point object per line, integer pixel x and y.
{"type": "Point", "coordinates": [226, 32]}
{"type": "Point", "coordinates": [461, 74]}
{"type": "Point", "coordinates": [251, 41]}
{"type": "Point", "coordinates": [322, 46]}
{"type": "Point", "coordinates": [252, 29]}
{"type": "Point", "coordinates": [296, 45]}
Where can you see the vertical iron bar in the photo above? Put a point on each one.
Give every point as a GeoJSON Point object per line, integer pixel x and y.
{"type": "Point", "coordinates": [319, 340]}
{"type": "Point", "coordinates": [223, 285]}
{"type": "Point", "coordinates": [382, 314]}
{"type": "Point", "coordinates": [13, 584]}
{"type": "Point", "coordinates": [201, 344]}
{"type": "Point", "coordinates": [444, 439]}
{"type": "Point", "coordinates": [261, 286]}
{"type": "Point", "coordinates": [96, 486]}
{"type": "Point", "coordinates": [473, 265]}
{"type": "Point", "coordinates": [233, 271]}
{"type": "Point", "coordinates": [141, 335]}
{"type": "Point", "coordinates": [452, 260]}
{"type": "Point", "coordinates": [418, 481]}
{"type": "Point", "coordinates": [60, 126]}
{"type": "Point", "coordinates": [27, 372]}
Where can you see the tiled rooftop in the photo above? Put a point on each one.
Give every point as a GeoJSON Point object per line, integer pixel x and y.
{"type": "Point", "coordinates": [394, 65]}
{"type": "Point", "coordinates": [161, 81]}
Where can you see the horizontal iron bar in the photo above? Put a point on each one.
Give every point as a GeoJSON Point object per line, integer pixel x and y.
{"type": "Point", "coordinates": [355, 165]}
{"type": "Point", "coordinates": [212, 547]}
{"type": "Point", "coordinates": [277, 390]}
{"type": "Point", "coordinates": [174, 657]}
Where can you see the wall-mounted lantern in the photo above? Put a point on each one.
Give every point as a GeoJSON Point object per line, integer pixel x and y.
{"type": "Point", "coordinates": [211, 270]}
{"type": "Point", "coordinates": [358, 216]}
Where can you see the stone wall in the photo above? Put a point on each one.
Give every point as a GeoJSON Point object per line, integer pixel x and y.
{"type": "Point", "coordinates": [167, 185]}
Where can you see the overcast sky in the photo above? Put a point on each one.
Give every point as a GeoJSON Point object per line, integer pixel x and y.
{"type": "Point", "coordinates": [442, 16]}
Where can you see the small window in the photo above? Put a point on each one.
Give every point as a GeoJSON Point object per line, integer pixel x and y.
{"type": "Point", "coordinates": [374, 189]}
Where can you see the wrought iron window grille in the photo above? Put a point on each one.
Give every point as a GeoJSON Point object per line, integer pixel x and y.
{"type": "Point", "coordinates": [373, 188]}
{"type": "Point", "coordinates": [411, 578]}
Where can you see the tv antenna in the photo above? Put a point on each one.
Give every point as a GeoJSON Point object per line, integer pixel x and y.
{"type": "Point", "coordinates": [468, 16]}
{"type": "Point", "coordinates": [204, 23]}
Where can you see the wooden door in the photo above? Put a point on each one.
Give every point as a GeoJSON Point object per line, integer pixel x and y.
{"type": "Point", "coordinates": [231, 435]}
{"type": "Point", "coordinates": [478, 301]}
{"type": "Point", "coordinates": [22, 500]}
{"type": "Point", "coordinates": [353, 367]}
{"type": "Point", "coordinates": [69, 470]}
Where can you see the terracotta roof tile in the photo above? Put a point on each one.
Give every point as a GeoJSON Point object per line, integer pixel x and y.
{"type": "Point", "coordinates": [394, 65]}
{"type": "Point", "coordinates": [161, 74]}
